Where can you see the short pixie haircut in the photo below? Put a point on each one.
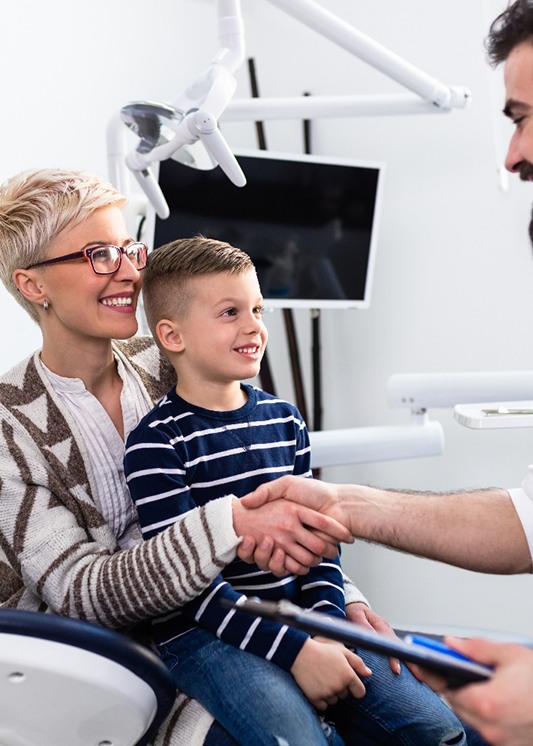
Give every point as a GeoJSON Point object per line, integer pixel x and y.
{"type": "Point", "coordinates": [35, 206]}
{"type": "Point", "coordinates": [166, 278]}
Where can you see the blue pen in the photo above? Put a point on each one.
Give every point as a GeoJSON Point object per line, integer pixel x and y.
{"type": "Point", "coordinates": [436, 645]}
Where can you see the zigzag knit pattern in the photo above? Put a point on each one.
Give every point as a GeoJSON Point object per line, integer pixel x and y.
{"type": "Point", "coordinates": [57, 554]}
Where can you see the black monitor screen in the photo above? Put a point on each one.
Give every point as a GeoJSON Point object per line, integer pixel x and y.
{"type": "Point", "coordinates": [309, 223]}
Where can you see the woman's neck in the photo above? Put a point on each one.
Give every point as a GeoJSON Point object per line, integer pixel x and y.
{"type": "Point", "coordinates": [93, 364]}
{"type": "Point", "coordinates": [96, 367]}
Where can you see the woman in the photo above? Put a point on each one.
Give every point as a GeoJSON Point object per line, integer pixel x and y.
{"type": "Point", "coordinates": [70, 540]}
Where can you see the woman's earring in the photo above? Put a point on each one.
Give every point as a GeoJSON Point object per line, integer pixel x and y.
{"type": "Point", "coordinates": [45, 304]}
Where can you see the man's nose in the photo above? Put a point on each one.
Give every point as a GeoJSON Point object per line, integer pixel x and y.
{"type": "Point", "coordinates": [514, 158]}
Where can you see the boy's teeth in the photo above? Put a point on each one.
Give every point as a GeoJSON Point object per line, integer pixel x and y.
{"type": "Point", "coordinates": [117, 301]}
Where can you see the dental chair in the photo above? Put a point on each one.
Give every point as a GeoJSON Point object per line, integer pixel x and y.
{"type": "Point", "coordinates": [65, 682]}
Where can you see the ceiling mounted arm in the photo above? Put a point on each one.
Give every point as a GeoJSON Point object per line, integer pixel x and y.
{"type": "Point", "coordinates": [186, 130]}
{"type": "Point", "coordinates": [347, 37]}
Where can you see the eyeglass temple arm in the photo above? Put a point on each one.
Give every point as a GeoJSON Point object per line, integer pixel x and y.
{"type": "Point", "coordinates": [57, 260]}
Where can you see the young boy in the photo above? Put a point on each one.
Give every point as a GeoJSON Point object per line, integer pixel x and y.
{"type": "Point", "coordinates": [213, 435]}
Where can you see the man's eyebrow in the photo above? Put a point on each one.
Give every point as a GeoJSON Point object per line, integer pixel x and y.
{"type": "Point", "coordinates": [511, 105]}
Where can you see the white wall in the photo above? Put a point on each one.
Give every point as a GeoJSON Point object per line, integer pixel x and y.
{"type": "Point", "coordinates": [454, 278]}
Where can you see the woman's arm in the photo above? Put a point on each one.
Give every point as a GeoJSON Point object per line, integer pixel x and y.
{"type": "Point", "coordinates": [57, 552]}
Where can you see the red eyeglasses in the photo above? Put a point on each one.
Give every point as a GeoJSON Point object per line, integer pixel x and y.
{"type": "Point", "coordinates": [104, 260]}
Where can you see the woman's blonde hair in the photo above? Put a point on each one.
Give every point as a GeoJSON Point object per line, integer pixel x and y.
{"type": "Point", "coordinates": [35, 206]}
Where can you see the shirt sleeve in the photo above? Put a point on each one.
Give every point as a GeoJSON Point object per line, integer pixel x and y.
{"type": "Point", "coordinates": [263, 637]}
{"type": "Point", "coordinates": [321, 589]}
{"type": "Point", "coordinates": [352, 594]}
{"type": "Point", "coordinates": [522, 498]}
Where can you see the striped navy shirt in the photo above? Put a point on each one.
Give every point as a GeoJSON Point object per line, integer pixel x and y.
{"type": "Point", "coordinates": [181, 456]}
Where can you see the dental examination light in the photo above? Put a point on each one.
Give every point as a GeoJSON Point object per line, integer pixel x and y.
{"type": "Point", "coordinates": [151, 121]}
{"type": "Point", "coordinates": [187, 129]}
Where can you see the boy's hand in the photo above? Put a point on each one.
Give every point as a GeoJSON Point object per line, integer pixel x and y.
{"type": "Point", "coordinates": [326, 671]}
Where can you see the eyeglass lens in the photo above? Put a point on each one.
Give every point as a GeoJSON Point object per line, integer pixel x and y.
{"type": "Point", "coordinates": [107, 259]}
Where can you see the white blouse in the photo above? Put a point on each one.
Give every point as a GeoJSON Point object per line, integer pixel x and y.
{"type": "Point", "coordinates": [106, 447]}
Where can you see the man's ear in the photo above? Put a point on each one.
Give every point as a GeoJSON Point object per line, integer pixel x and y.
{"type": "Point", "coordinates": [169, 335]}
{"type": "Point", "coordinates": [30, 287]}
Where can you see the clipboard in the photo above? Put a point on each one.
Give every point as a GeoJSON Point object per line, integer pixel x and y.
{"type": "Point", "coordinates": [455, 668]}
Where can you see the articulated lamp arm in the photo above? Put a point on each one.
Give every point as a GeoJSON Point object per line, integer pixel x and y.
{"type": "Point", "coordinates": [164, 129]}
{"type": "Point", "coordinates": [174, 130]}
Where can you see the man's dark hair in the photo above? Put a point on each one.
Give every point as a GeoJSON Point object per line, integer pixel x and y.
{"type": "Point", "coordinates": [512, 27]}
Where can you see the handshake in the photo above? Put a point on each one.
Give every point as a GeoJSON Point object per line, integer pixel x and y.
{"type": "Point", "coordinates": [292, 523]}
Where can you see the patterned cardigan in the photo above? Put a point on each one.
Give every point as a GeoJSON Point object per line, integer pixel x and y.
{"type": "Point", "coordinates": [57, 553]}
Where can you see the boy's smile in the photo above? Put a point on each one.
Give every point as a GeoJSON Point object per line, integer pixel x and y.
{"type": "Point", "coordinates": [250, 352]}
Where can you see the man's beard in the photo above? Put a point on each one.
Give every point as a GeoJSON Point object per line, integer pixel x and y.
{"type": "Point", "coordinates": [526, 174]}
{"type": "Point", "coordinates": [526, 171]}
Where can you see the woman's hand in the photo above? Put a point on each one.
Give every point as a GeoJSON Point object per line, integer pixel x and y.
{"type": "Point", "coordinates": [360, 613]}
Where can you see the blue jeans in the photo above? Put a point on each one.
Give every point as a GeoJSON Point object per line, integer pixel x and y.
{"type": "Point", "coordinates": [258, 703]}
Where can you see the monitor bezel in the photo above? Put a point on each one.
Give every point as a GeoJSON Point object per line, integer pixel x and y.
{"type": "Point", "coordinates": [310, 303]}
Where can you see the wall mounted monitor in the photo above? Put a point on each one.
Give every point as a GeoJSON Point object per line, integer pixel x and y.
{"type": "Point", "coordinates": [308, 222]}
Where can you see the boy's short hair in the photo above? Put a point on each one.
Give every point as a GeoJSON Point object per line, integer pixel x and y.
{"type": "Point", "coordinates": [35, 206]}
{"type": "Point", "coordinates": [166, 278]}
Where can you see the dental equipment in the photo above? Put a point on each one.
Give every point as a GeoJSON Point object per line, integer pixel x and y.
{"type": "Point", "coordinates": [480, 400]}
{"type": "Point", "coordinates": [187, 129]}
{"type": "Point", "coordinates": [421, 391]}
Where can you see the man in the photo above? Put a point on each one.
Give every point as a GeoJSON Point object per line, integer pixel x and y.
{"type": "Point", "coordinates": [485, 530]}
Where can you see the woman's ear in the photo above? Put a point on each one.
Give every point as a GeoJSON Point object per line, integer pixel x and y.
{"type": "Point", "coordinates": [169, 335]}
{"type": "Point", "coordinates": [29, 286]}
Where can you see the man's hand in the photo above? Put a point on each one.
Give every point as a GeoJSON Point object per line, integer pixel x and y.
{"type": "Point", "coordinates": [500, 709]}
{"type": "Point", "coordinates": [286, 536]}
{"type": "Point", "coordinates": [313, 493]}
{"type": "Point", "coordinates": [359, 613]}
